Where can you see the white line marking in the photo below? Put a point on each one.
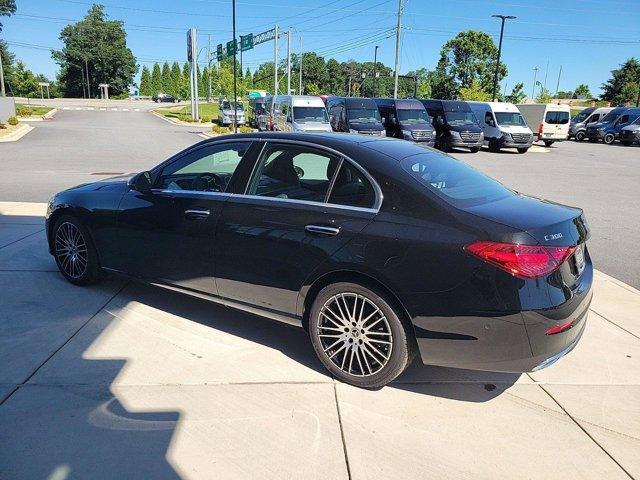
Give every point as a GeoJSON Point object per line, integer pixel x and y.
{"type": "Point", "coordinates": [103, 109]}
{"type": "Point", "coordinates": [65, 108]}
{"type": "Point", "coordinates": [136, 109]}
{"type": "Point", "coordinates": [114, 109]}
{"type": "Point", "coordinates": [125, 109]}
{"type": "Point", "coordinates": [90, 108]}
{"type": "Point", "coordinates": [78, 108]}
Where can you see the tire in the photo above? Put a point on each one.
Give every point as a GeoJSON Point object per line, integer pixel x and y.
{"type": "Point", "coordinates": [375, 363]}
{"type": "Point", "coordinates": [609, 138]}
{"type": "Point", "coordinates": [580, 136]}
{"type": "Point", "coordinates": [74, 252]}
{"type": "Point", "coordinates": [474, 149]}
{"type": "Point", "coordinates": [523, 150]}
{"type": "Point", "coordinates": [548, 143]}
{"type": "Point", "coordinates": [494, 146]}
{"type": "Point", "coordinates": [446, 146]}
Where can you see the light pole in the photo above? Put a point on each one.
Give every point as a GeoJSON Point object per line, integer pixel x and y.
{"type": "Point", "coordinates": [235, 88]}
{"type": "Point", "coordinates": [375, 66]}
{"type": "Point", "coordinates": [495, 78]}
{"type": "Point", "coordinates": [535, 75]}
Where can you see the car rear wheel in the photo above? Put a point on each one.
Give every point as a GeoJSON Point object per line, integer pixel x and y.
{"type": "Point", "coordinates": [580, 136]}
{"type": "Point", "coordinates": [548, 143]}
{"type": "Point", "coordinates": [74, 252]}
{"type": "Point", "coordinates": [358, 335]}
{"type": "Point", "coordinates": [609, 138]}
{"type": "Point", "coordinates": [494, 146]}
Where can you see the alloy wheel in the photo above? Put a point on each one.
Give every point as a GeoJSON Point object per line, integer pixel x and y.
{"type": "Point", "coordinates": [355, 334]}
{"type": "Point", "coordinates": [71, 250]}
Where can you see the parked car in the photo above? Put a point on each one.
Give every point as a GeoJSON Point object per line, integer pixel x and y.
{"type": "Point", "coordinates": [406, 118]}
{"type": "Point", "coordinates": [257, 108]}
{"type": "Point", "coordinates": [164, 97]}
{"type": "Point", "coordinates": [355, 115]}
{"type": "Point", "coordinates": [226, 112]}
{"type": "Point", "coordinates": [456, 125]}
{"type": "Point", "coordinates": [579, 123]}
{"type": "Point", "coordinates": [379, 248]}
{"type": "Point", "coordinates": [300, 113]}
{"type": "Point", "coordinates": [608, 130]}
{"type": "Point", "coordinates": [630, 134]}
{"type": "Point", "coordinates": [502, 126]}
{"type": "Point", "coordinates": [549, 122]}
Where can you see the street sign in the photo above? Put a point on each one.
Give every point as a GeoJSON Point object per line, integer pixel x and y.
{"type": "Point", "coordinates": [232, 48]}
{"type": "Point", "coordinates": [264, 37]}
{"type": "Point", "coordinates": [219, 52]}
{"type": "Point", "coordinates": [246, 42]}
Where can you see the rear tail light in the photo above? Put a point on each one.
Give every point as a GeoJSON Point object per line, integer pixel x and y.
{"type": "Point", "coordinates": [526, 261]}
{"type": "Point", "coordinates": [560, 328]}
{"type": "Point", "coordinates": [540, 128]}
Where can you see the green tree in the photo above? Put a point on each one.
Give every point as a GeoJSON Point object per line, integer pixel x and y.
{"type": "Point", "coordinates": [156, 79]}
{"type": "Point", "coordinates": [544, 96]}
{"type": "Point", "coordinates": [582, 91]}
{"type": "Point", "coordinates": [8, 60]}
{"type": "Point", "coordinates": [517, 93]}
{"type": "Point", "coordinates": [7, 8]}
{"type": "Point", "coordinates": [469, 56]}
{"type": "Point", "coordinates": [474, 92]}
{"type": "Point", "coordinates": [248, 79]}
{"type": "Point", "coordinates": [335, 79]}
{"type": "Point", "coordinates": [314, 71]}
{"type": "Point", "coordinates": [145, 81]}
{"type": "Point", "coordinates": [100, 47]}
{"type": "Point", "coordinates": [185, 88]}
{"type": "Point", "coordinates": [176, 78]}
{"type": "Point", "coordinates": [167, 81]}
{"type": "Point", "coordinates": [263, 77]}
{"type": "Point", "coordinates": [623, 85]}
{"type": "Point", "coordinates": [25, 83]}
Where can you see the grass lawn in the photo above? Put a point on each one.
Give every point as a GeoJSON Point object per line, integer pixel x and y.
{"type": "Point", "coordinates": [31, 110]}
{"type": "Point", "coordinates": [180, 112]}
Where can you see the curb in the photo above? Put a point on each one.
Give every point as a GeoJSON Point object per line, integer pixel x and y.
{"type": "Point", "coordinates": [17, 134]}
{"type": "Point", "coordinates": [39, 118]}
{"type": "Point", "coordinates": [173, 121]}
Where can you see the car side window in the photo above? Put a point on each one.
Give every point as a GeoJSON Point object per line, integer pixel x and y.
{"type": "Point", "coordinates": [293, 172]}
{"type": "Point", "coordinates": [208, 169]}
{"type": "Point", "coordinates": [488, 119]}
{"type": "Point", "coordinates": [351, 187]}
{"type": "Point", "coordinates": [623, 119]}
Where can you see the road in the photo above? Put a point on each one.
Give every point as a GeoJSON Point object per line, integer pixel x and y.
{"type": "Point", "coordinates": [82, 145]}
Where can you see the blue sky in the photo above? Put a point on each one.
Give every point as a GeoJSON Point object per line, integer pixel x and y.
{"type": "Point", "coordinates": [588, 38]}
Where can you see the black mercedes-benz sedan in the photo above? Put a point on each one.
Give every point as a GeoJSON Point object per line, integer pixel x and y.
{"type": "Point", "coordinates": [378, 247]}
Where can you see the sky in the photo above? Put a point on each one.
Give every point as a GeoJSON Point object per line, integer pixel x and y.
{"type": "Point", "coordinates": [587, 38]}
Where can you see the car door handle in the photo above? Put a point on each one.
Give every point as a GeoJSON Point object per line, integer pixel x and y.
{"type": "Point", "coordinates": [197, 213]}
{"type": "Point", "coordinates": [321, 230]}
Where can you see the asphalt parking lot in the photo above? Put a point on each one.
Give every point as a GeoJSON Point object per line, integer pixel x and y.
{"type": "Point", "coordinates": [123, 380]}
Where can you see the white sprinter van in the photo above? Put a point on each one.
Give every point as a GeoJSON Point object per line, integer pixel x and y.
{"type": "Point", "coordinates": [502, 125]}
{"type": "Point", "coordinates": [548, 121]}
{"type": "Point", "coordinates": [300, 113]}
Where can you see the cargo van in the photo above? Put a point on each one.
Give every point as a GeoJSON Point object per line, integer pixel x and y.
{"type": "Point", "coordinates": [226, 113]}
{"type": "Point", "coordinates": [257, 108]}
{"type": "Point", "coordinates": [548, 121]}
{"type": "Point", "coordinates": [579, 123]}
{"type": "Point", "coordinates": [406, 118]}
{"type": "Point", "coordinates": [355, 115]}
{"type": "Point", "coordinates": [630, 134]}
{"type": "Point", "coordinates": [502, 126]}
{"type": "Point", "coordinates": [299, 113]}
{"type": "Point", "coordinates": [456, 125]}
{"type": "Point", "coordinates": [608, 130]}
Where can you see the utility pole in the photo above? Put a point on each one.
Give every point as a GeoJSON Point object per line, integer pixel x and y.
{"type": "Point", "coordinates": [3, 93]}
{"type": "Point", "coordinates": [375, 67]}
{"type": "Point", "coordinates": [288, 62]}
{"type": "Point", "coordinates": [235, 86]}
{"type": "Point", "coordinates": [86, 66]}
{"type": "Point", "coordinates": [300, 86]}
{"type": "Point", "coordinates": [397, 63]}
{"type": "Point", "coordinates": [558, 84]}
{"type": "Point", "coordinates": [275, 63]}
{"type": "Point", "coordinates": [546, 72]}
{"type": "Point", "coordinates": [241, 70]}
{"type": "Point", "coordinates": [495, 77]}
{"type": "Point", "coordinates": [535, 75]}
{"type": "Point", "coordinates": [209, 69]}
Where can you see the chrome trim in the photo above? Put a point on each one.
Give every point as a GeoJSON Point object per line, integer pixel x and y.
{"type": "Point", "coordinates": [321, 230]}
{"type": "Point", "coordinates": [190, 192]}
{"type": "Point", "coordinates": [197, 213]}
{"type": "Point", "coordinates": [306, 202]}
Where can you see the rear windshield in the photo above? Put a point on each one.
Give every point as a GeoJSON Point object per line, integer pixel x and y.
{"type": "Point", "coordinates": [363, 115]}
{"type": "Point", "coordinates": [460, 118]}
{"type": "Point", "coordinates": [556, 118]}
{"type": "Point", "coordinates": [507, 118]}
{"type": "Point", "coordinates": [412, 116]}
{"type": "Point", "coordinates": [454, 181]}
{"type": "Point", "coordinates": [310, 114]}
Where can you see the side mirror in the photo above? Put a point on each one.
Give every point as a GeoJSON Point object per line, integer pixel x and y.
{"type": "Point", "coordinates": [141, 182]}
{"type": "Point", "coordinates": [384, 119]}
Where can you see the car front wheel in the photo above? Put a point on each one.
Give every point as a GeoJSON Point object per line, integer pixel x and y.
{"type": "Point", "coordinates": [580, 136]}
{"type": "Point", "coordinates": [74, 252]}
{"type": "Point", "coordinates": [609, 138]}
{"type": "Point", "coordinates": [358, 335]}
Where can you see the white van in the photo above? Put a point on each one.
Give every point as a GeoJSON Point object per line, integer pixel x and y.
{"type": "Point", "coordinates": [548, 121]}
{"type": "Point", "coordinates": [300, 113]}
{"type": "Point", "coordinates": [502, 125]}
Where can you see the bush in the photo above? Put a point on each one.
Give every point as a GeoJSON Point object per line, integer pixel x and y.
{"type": "Point", "coordinates": [120, 96]}
{"type": "Point", "coordinates": [218, 129]}
{"type": "Point", "coordinates": [245, 129]}
{"type": "Point", "coordinates": [12, 121]}
{"type": "Point", "coordinates": [205, 119]}
{"type": "Point", "coordinates": [23, 111]}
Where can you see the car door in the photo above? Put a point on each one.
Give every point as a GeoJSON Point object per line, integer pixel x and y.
{"type": "Point", "coordinates": [167, 234]}
{"type": "Point", "coordinates": [301, 205]}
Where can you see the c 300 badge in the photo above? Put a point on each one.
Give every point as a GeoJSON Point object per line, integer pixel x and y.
{"type": "Point", "coordinates": [553, 236]}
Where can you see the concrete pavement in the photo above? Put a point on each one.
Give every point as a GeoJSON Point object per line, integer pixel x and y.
{"type": "Point", "coordinates": [124, 380]}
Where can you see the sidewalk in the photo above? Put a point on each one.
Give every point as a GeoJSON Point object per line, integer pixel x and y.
{"type": "Point", "coordinates": [125, 380]}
